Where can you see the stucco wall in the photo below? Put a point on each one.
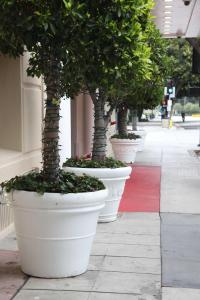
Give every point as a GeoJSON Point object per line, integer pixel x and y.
{"type": "Point", "coordinates": [21, 113]}
{"type": "Point", "coordinates": [31, 97]}
{"type": "Point", "coordinates": [10, 104]}
{"type": "Point", "coordinates": [82, 125]}
{"type": "Point", "coordinates": [110, 132]}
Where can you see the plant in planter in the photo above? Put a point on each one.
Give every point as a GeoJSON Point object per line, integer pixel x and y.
{"type": "Point", "coordinates": [55, 212]}
{"type": "Point", "coordinates": [112, 173]}
{"type": "Point", "coordinates": [123, 51]}
{"type": "Point", "coordinates": [124, 144]}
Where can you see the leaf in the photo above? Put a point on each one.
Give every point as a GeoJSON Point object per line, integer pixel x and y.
{"type": "Point", "coordinates": [119, 13]}
{"type": "Point", "coordinates": [67, 4]}
{"type": "Point", "coordinates": [52, 28]}
{"type": "Point", "coordinates": [37, 13]}
{"type": "Point", "coordinates": [128, 38]}
{"type": "Point", "coordinates": [46, 26]}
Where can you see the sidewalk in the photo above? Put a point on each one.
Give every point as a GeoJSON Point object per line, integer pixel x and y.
{"type": "Point", "coordinates": [129, 254]}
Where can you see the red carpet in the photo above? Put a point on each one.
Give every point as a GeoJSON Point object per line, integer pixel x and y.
{"type": "Point", "coordinates": [142, 190]}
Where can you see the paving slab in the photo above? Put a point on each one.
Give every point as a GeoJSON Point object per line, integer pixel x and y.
{"type": "Point", "coordinates": [138, 223]}
{"type": "Point", "coordinates": [180, 250]}
{"type": "Point", "coordinates": [131, 264]}
{"type": "Point", "coordinates": [148, 251]}
{"type": "Point", "coordinates": [180, 190]}
{"type": "Point", "coordinates": [116, 282]}
{"type": "Point", "coordinates": [111, 296]}
{"type": "Point", "coordinates": [81, 283]}
{"type": "Point", "coordinates": [9, 242]}
{"type": "Point", "coordinates": [95, 262]}
{"type": "Point", "coordinates": [11, 277]}
{"type": "Point", "coordinates": [147, 227]}
{"type": "Point", "coordinates": [50, 295]}
{"type": "Point", "coordinates": [68, 295]}
{"type": "Point", "coordinates": [101, 282]}
{"type": "Point", "coordinates": [140, 217]}
{"type": "Point", "coordinates": [180, 294]}
{"type": "Point", "coordinates": [149, 158]}
{"type": "Point", "coordinates": [127, 238]}
{"type": "Point", "coordinates": [142, 228]}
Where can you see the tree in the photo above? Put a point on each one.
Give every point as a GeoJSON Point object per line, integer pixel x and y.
{"type": "Point", "coordinates": [48, 30]}
{"type": "Point", "coordinates": [146, 93]}
{"type": "Point", "coordinates": [115, 48]}
{"type": "Point", "coordinates": [180, 73]}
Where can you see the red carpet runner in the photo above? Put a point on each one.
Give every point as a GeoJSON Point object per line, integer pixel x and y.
{"type": "Point", "coordinates": [142, 190]}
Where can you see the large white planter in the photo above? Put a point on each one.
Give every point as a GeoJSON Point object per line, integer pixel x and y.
{"type": "Point", "coordinates": [55, 231]}
{"type": "Point", "coordinates": [114, 180]}
{"type": "Point", "coordinates": [125, 149]}
{"type": "Point", "coordinates": [142, 133]}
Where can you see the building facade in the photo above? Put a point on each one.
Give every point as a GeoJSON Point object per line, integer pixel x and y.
{"type": "Point", "coordinates": [21, 113]}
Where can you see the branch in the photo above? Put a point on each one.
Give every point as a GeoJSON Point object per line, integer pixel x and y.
{"type": "Point", "coordinates": [108, 114]}
{"type": "Point", "coordinates": [91, 93]}
{"type": "Point", "coordinates": [194, 42]}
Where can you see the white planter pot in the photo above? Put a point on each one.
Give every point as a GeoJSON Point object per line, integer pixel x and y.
{"type": "Point", "coordinates": [114, 180]}
{"type": "Point", "coordinates": [55, 231]}
{"type": "Point", "coordinates": [142, 133]}
{"type": "Point", "coordinates": [125, 149]}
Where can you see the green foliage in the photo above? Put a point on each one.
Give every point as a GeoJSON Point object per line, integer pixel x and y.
{"type": "Point", "coordinates": [66, 183]}
{"type": "Point", "coordinates": [50, 31]}
{"type": "Point", "coordinates": [108, 162]}
{"type": "Point", "coordinates": [129, 136]}
{"type": "Point", "coordinates": [77, 46]}
{"type": "Point", "coordinates": [180, 53]}
{"type": "Point", "coordinates": [178, 107]}
{"type": "Point", "coordinates": [114, 44]}
{"type": "Point", "coordinates": [189, 108]}
{"type": "Point", "coordinates": [148, 92]}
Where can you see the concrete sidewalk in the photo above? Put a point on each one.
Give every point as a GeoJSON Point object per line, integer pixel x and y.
{"type": "Point", "coordinates": [180, 209]}
{"type": "Point", "coordinates": [129, 254]}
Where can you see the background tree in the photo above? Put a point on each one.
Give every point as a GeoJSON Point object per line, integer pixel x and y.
{"type": "Point", "coordinates": [115, 47]}
{"type": "Point", "coordinates": [180, 73]}
{"type": "Point", "coordinates": [48, 30]}
{"type": "Point", "coordinates": [146, 93]}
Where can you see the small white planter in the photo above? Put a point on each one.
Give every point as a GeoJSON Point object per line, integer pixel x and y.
{"type": "Point", "coordinates": [114, 180]}
{"type": "Point", "coordinates": [125, 149]}
{"type": "Point", "coordinates": [142, 133]}
{"type": "Point", "coordinates": [55, 231]}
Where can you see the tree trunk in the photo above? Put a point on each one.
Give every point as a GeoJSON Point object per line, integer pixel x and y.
{"type": "Point", "coordinates": [50, 150]}
{"type": "Point", "coordinates": [134, 119]}
{"type": "Point", "coordinates": [100, 129]}
{"type": "Point", "coordinates": [122, 120]}
{"type": "Point", "coordinates": [139, 113]}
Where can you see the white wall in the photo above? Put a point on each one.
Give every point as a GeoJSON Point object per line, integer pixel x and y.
{"type": "Point", "coordinates": [65, 130]}
{"type": "Point", "coordinates": [21, 106]}
{"type": "Point", "coordinates": [10, 104]}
